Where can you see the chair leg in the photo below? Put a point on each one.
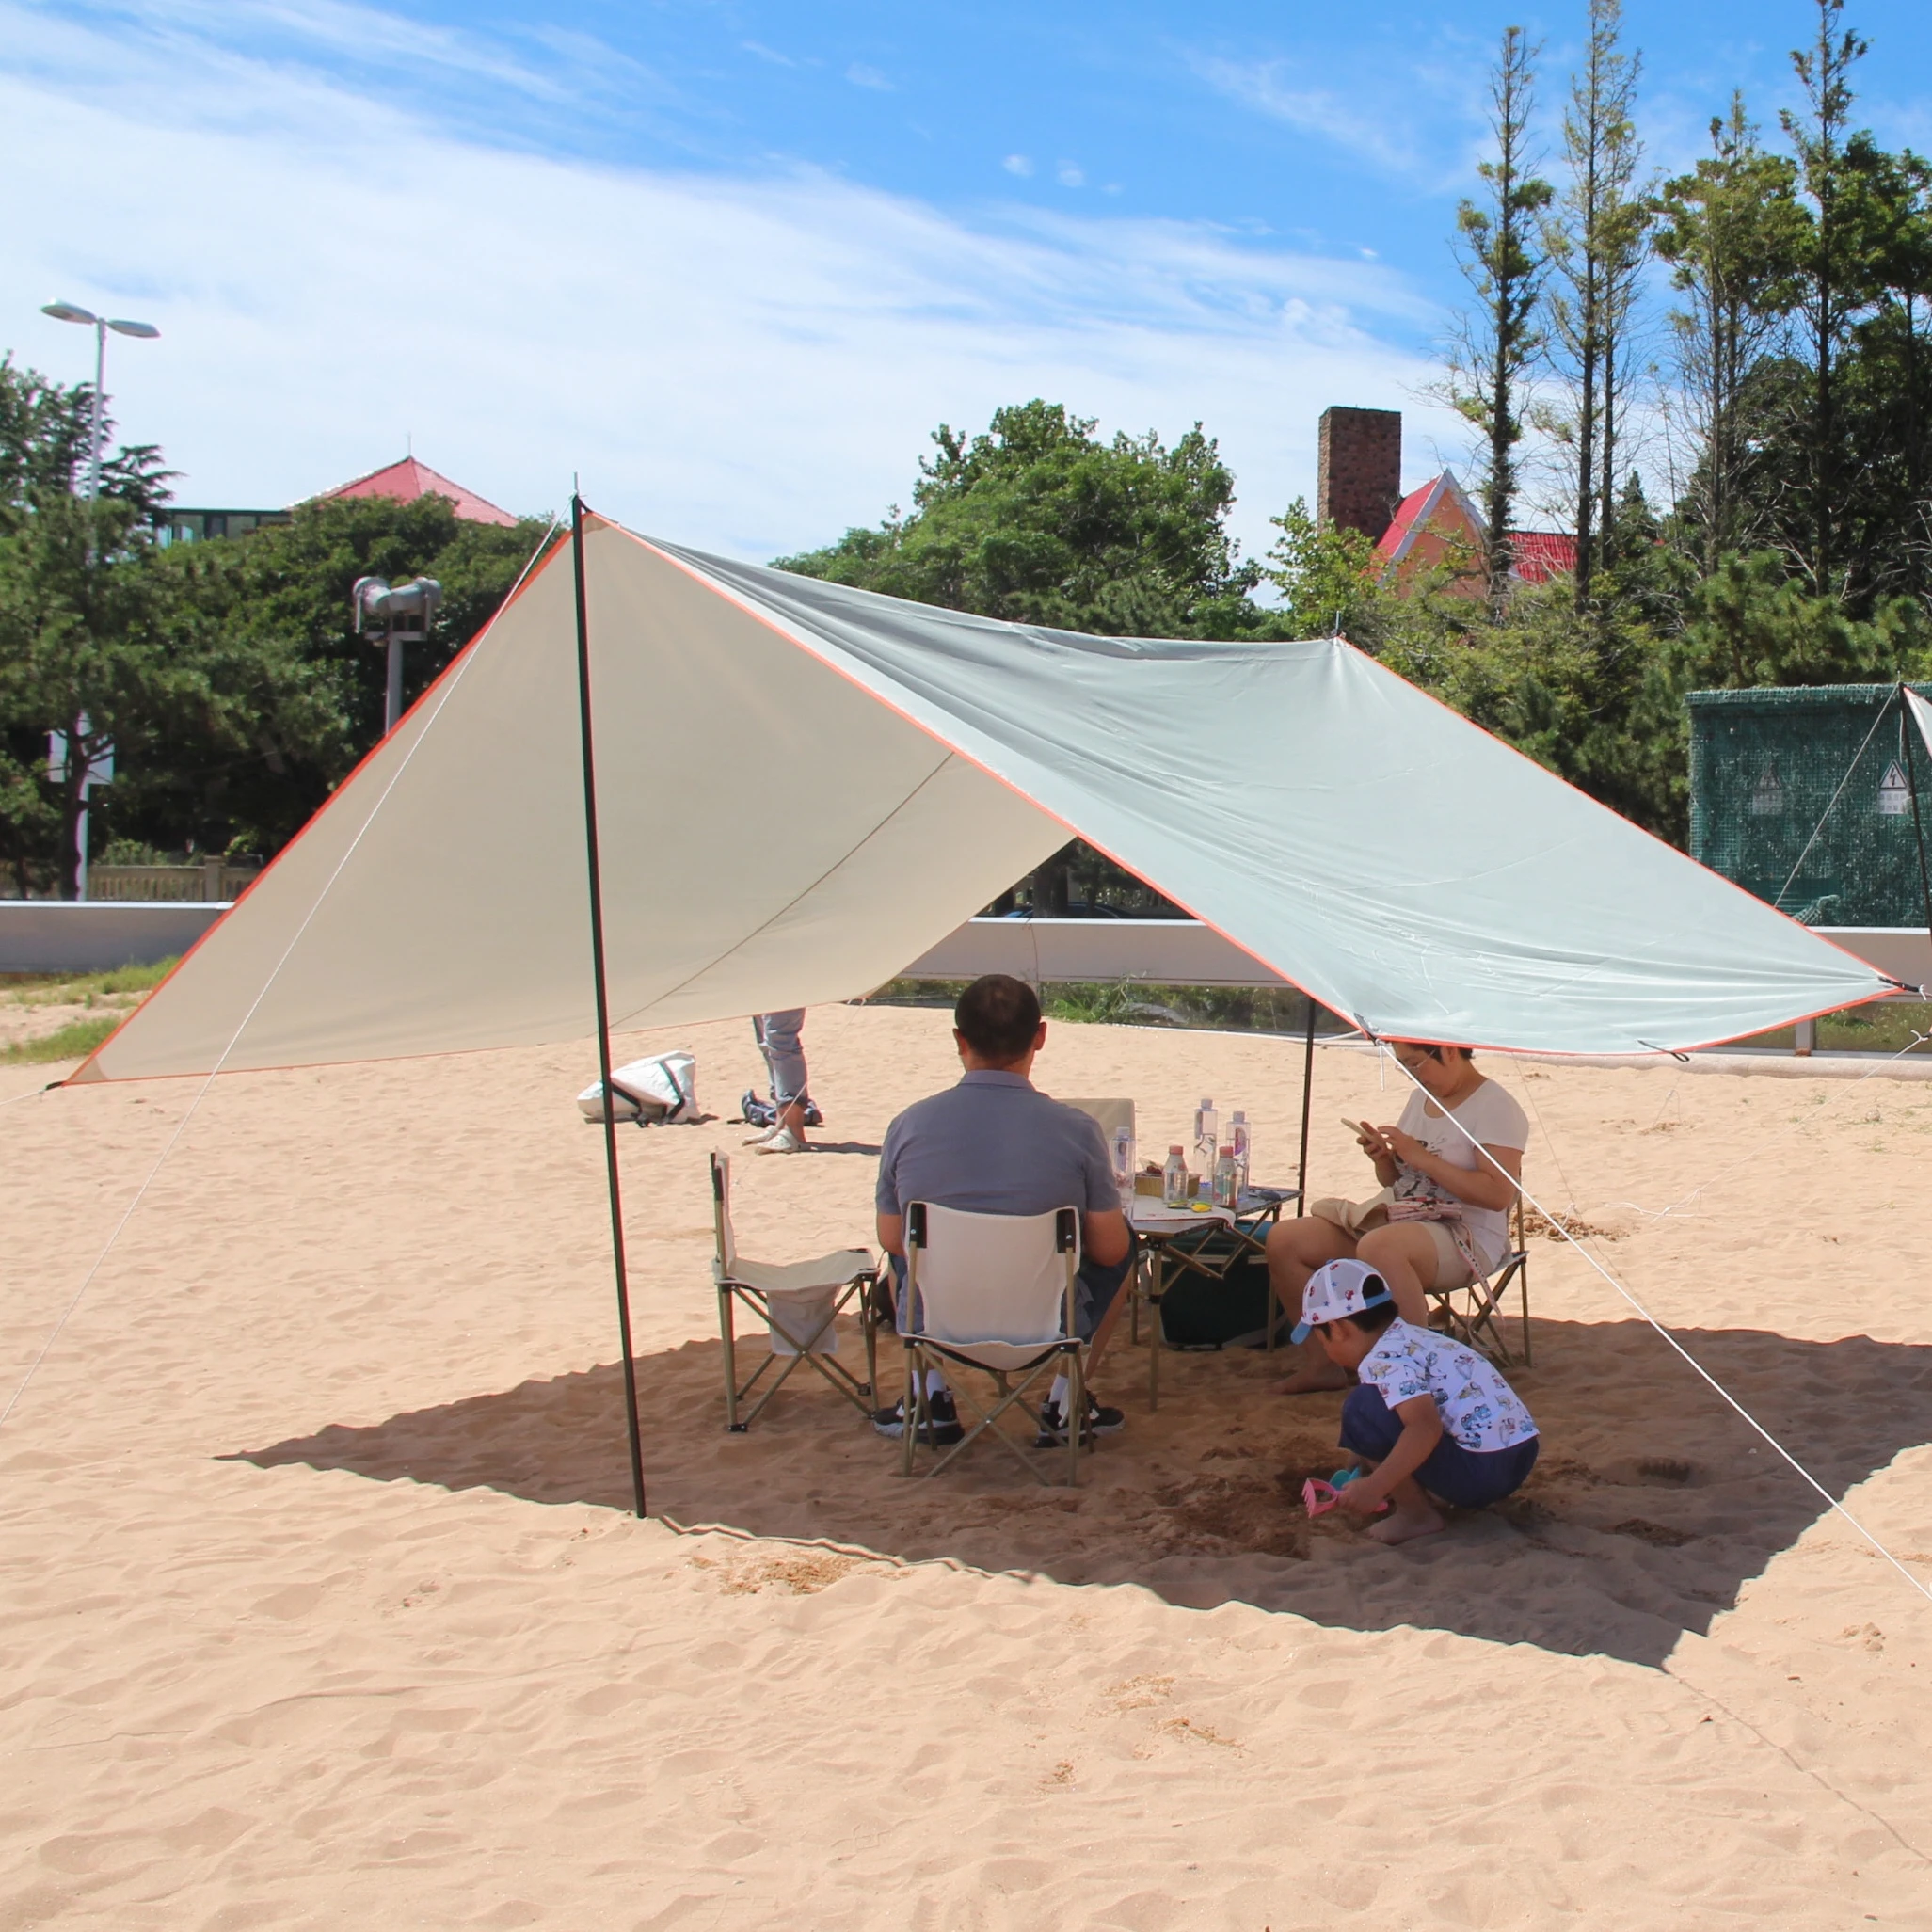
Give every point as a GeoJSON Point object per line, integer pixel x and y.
{"type": "Point", "coordinates": [1076, 1413]}
{"type": "Point", "coordinates": [1522, 1292]}
{"type": "Point", "coordinates": [726, 1332]}
{"type": "Point", "coordinates": [869, 1321]}
{"type": "Point", "coordinates": [1157, 1271]}
{"type": "Point", "coordinates": [909, 1411]}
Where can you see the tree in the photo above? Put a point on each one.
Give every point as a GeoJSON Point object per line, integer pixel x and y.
{"type": "Point", "coordinates": [1595, 238]}
{"type": "Point", "coordinates": [1039, 522]}
{"type": "Point", "coordinates": [223, 674]}
{"type": "Point", "coordinates": [1833, 274]}
{"type": "Point", "coordinates": [1497, 341]}
{"type": "Point", "coordinates": [1730, 229]}
{"type": "Point", "coordinates": [80, 652]}
{"type": "Point", "coordinates": [300, 697]}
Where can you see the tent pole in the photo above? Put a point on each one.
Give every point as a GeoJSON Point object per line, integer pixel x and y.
{"type": "Point", "coordinates": [1912, 774]}
{"type": "Point", "coordinates": [1307, 1088]}
{"type": "Point", "coordinates": [604, 1004]}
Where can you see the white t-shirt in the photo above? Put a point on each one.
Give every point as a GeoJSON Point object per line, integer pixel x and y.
{"type": "Point", "coordinates": [1478, 1407]}
{"type": "Point", "coordinates": [1491, 1118]}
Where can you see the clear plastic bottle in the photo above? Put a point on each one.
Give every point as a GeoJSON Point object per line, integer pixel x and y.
{"type": "Point", "coordinates": [1227, 1179]}
{"type": "Point", "coordinates": [1173, 1178]}
{"type": "Point", "coordinates": [1237, 1139]}
{"type": "Point", "coordinates": [1123, 1166]}
{"type": "Point", "coordinates": [1206, 1137]}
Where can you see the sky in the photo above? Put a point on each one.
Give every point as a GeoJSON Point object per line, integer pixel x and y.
{"type": "Point", "coordinates": [729, 265]}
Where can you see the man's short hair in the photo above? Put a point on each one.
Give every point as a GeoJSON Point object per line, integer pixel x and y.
{"type": "Point", "coordinates": [997, 1015]}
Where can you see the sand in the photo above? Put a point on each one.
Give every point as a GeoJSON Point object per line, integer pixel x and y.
{"type": "Point", "coordinates": [321, 1606]}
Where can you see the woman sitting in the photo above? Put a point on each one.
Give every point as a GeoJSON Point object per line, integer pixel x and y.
{"type": "Point", "coordinates": [1442, 1219]}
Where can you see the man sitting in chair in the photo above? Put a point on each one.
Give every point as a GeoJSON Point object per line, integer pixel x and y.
{"type": "Point", "coordinates": [995, 1144]}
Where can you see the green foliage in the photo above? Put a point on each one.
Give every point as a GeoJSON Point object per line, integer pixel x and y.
{"type": "Point", "coordinates": [223, 675]}
{"type": "Point", "coordinates": [74, 1041]}
{"type": "Point", "coordinates": [1500, 250]}
{"type": "Point", "coordinates": [1329, 577]}
{"type": "Point", "coordinates": [1039, 522]}
{"type": "Point", "coordinates": [298, 696]}
{"type": "Point", "coordinates": [86, 989]}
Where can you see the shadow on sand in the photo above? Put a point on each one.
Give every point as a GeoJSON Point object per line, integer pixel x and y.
{"type": "Point", "coordinates": [1651, 1506]}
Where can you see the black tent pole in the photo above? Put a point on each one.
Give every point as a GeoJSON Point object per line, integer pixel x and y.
{"type": "Point", "coordinates": [604, 1004]}
{"type": "Point", "coordinates": [1911, 772]}
{"type": "Point", "coordinates": [1307, 1088]}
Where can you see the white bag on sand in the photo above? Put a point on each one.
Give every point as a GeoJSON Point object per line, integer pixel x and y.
{"type": "Point", "coordinates": [661, 1089]}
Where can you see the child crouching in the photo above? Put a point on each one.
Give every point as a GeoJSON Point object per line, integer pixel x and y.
{"type": "Point", "coordinates": [1430, 1414]}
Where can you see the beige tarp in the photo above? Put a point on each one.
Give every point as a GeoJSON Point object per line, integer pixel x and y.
{"type": "Point", "coordinates": [802, 787]}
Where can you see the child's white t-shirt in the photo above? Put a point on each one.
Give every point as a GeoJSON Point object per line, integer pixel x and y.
{"type": "Point", "coordinates": [1478, 1407]}
{"type": "Point", "coordinates": [1492, 1118]}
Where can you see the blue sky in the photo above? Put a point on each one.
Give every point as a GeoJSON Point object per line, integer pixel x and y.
{"type": "Point", "coordinates": [731, 262]}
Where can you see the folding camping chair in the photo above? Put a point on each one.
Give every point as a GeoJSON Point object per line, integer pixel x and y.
{"type": "Point", "coordinates": [1476, 1319]}
{"type": "Point", "coordinates": [992, 1292]}
{"type": "Point", "coordinates": [799, 1302]}
{"type": "Point", "coordinates": [1109, 1115]}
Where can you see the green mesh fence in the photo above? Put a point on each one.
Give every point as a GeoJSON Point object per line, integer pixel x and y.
{"type": "Point", "coordinates": [1763, 768]}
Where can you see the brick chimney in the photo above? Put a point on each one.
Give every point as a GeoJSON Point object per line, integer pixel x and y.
{"type": "Point", "coordinates": [1359, 478]}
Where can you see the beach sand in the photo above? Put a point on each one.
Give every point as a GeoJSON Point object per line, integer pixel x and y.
{"type": "Point", "coordinates": [322, 1606]}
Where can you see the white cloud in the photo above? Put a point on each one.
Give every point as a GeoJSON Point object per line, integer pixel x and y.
{"type": "Point", "coordinates": [1386, 140]}
{"type": "Point", "coordinates": [1070, 175]}
{"type": "Point", "coordinates": [745, 364]}
{"type": "Point", "coordinates": [1018, 164]}
{"type": "Point", "coordinates": [860, 75]}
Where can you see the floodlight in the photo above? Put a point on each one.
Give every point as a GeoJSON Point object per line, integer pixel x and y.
{"type": "Point", "coordinates": [68, 312]}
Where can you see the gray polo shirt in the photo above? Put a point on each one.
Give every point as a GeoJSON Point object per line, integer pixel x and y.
{"type": "Point", "coordinates": [994, 1144]}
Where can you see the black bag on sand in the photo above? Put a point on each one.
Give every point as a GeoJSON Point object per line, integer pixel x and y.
{"type": "Point", "coordinates": [1197, 1313]}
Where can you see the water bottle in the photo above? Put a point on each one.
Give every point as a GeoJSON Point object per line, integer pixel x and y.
{"type": "Point", "coordinates": [1206, 1137]}
{"type": "Point", "coordinates": [1227, 1180]}
{"type": "Point", "coordinates": [1173, 1178]}
{"type": "Point", "coordinates": [1123, 1166]}
{"type": "Point", "coordinates": [1238, 1139]}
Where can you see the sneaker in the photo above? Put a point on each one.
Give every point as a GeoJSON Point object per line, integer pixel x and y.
{"type": "Point", "coordinates": [946, 1426]}
{"type": "Point", "coordinates": [813, 1118]}
{"type": "Point", "coordinates": [1100, 1421]}
{"type": "Point", "coordinates": [783, 1140]}
{"type": "Point", "coordinates": [757, 1113]}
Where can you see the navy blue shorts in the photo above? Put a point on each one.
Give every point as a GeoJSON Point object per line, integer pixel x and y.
{"type": "Point", "coordinates": [1465, 1478]}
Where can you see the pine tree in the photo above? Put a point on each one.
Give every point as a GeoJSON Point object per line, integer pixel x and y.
{"type": "Point", "coordinates": [1832, 280]}
{"type": "Point", "coordinates": [1596, 236]}
{"type": "Point", "coordinates": [1504, 264]}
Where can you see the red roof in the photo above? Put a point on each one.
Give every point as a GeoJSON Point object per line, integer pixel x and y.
{"type": "Point", "coordinates": [407, 480]}
{"type": "Point", "coordinates": [1542, 554]}
{"type": "Point", "coordinates": [1410, 507]}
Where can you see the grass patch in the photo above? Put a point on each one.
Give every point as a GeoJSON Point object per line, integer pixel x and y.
{"type": "Point", "coordinates": [74, 1041]}
{"type": "Point", "coordinates": [86, 989]}
{"type": "Point", "coordinates": [1134, 1003]}
{"type": "Point", "coordinates": [1885, 1027]}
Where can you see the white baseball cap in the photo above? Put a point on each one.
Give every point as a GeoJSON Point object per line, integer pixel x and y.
{"type": "Point", "coordinates": [1337, 1288]}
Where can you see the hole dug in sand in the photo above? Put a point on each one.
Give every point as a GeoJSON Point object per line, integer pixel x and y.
{"type": "Point", "coordinates": [1651, 1504]}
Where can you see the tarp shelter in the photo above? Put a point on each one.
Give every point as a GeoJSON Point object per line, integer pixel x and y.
{"type": "Point", "coordinates": [801, 786]}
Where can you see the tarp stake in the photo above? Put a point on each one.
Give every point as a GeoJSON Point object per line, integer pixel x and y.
{"type": "Point", "coordinates": [604, 1004]}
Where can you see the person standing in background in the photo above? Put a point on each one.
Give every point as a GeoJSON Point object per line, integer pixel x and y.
{"type": "Point", "coordinates": [779, 1038]}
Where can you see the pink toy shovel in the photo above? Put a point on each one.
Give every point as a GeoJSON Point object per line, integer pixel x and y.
{"type": "Point", "coordinates": [1319, 1497]}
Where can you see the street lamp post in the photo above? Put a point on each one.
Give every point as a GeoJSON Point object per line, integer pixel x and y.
{"type": "Point", "coordinates": [392, 617]}
{"type": "Point", "coordinates": [99, 769]}
{"type": "Point", "coordinates": [141, 331]}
